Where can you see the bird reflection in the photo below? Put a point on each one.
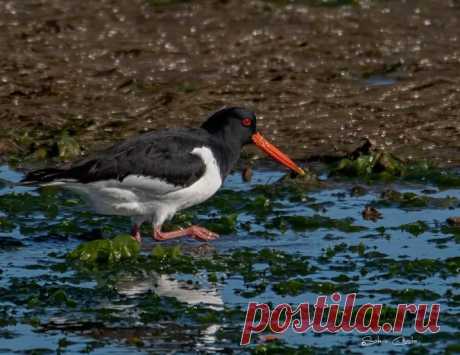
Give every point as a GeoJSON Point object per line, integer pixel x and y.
{"type": "Point", "coordinates": [167, 286]}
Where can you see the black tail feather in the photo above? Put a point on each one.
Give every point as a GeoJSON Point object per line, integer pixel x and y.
{"type": "Point", "coordinates": [42, 176]}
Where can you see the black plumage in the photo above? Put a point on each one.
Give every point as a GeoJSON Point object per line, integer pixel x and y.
{"type": "Point", "coordinates": [164, 154]}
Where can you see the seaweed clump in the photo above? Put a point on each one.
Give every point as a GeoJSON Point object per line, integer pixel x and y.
{"type": "Point", "coordinates": [105, 251]}
{"type": "Point", "coordinates": [371, 163]}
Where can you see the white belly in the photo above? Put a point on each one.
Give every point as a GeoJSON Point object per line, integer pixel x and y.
{"type": "Point", "coordinates": [152, 198]}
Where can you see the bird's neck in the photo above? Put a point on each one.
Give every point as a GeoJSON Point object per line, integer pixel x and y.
{"type": "Point", "coordinates": [227, 136]}
{"type": "Point", "coordinates": [231, 149]}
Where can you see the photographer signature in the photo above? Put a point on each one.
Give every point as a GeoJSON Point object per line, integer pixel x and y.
{"type": "Point", "coordinates": [399, 341]}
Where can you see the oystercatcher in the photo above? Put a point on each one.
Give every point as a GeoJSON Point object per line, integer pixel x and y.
{"type": "Point", "coordinates": [152, 176]}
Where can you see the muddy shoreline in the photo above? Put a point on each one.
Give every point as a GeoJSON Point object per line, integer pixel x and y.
{"type": "Point", "coordinates": [320, 78]}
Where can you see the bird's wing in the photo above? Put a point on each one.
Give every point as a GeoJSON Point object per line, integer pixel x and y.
{"type": "Point", "coordinates": [161, 158]}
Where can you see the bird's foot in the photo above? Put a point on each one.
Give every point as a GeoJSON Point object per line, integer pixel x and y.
{"type": "Point", "coordinates": [196, 232]}
{"type": "Point", "coordinates": [136, 233]}
{"type": "Point", "coordinates": [202, 233]}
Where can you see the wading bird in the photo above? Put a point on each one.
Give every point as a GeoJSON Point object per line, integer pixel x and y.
{"type": "Point", "coordinates": [152, 176]}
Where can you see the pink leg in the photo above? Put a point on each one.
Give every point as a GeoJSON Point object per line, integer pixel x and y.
{"type": "Point", "coordinates": [136, 233]}
{"type": "Point", "coordinates": [196, 232]}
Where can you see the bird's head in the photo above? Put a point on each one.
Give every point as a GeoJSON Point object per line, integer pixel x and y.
{"type": "Point", "coordinates": [238, 125]}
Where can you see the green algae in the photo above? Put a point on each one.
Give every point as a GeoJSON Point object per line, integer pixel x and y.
{"type": "Point", "coordinates": [253, 290]}
{"type": "Point", "coordinates": [54, 144]}
{"type": "Point", "coordinates": [154, 308]}
{"type": "Point", "coordinates": [180, 220]}
{"type": "Point", "coordinates": [223, 225]}
{"type": "Point", "coordinates": [410, 295]}
{"type": "Point", "coordinates": [160, 252]}
{"type": "Point", "coordinates": [170, 260]}
{"type": "Point", "coordinates": [64, 215]}
{"type": "Point", "coordinates": [329, 288]}
{"type": "Point", "coordinates": [59, 297]}
{"type": "Point", "coordinates": [226, 201]}
{"type": "Point", "coordinates": [39, 296]}
{"type": "Point", "coordinates": [330, 252]}
{"type": "Point", "coordinates": [7, 317]}
{"type": "Point", "coordinates": [9, 243]}
{"type": "Point", "coordinates": [105, 251]}
{"type": "Point", "coordinates": [304, 223]}
{"type": "Point", "coordinates": [416, 228]}
{"type": "Point", "coordinates": [295, 182]}
{"type": "Point", "coordinates": [404, 200]}
{"type": "Point", "coordinates": [380, 165]}
{"type": "Point", "coordinates": [285, 265]}
{"type": "Point", "coordinates": [14, 204]}
{"type": "Point", "coordinates": [261, 207]}
{"type": "Point", "coordinates": [6, 225]}
{"type": "Point", "coordinates": [360, 248]}
{"type": "Point", "coordinates": [212, 277]}
{"type": "Point", "coordinates": [453, 230]}
{"type": "Point", "coordinates": [290, 287]}
{"type": "Point", "coordinates": [67, 147]}
{"type": "Point", "coordinates": [411, 200]}
{"type": "Point", "coordinates": [418, 269]}
{"type": "Point", "coordinates": [427, 172]}
{"type": "Point", "coordinates": [341, 278]}
{"type": "Point", "coordinates": [298, 286]}
{"type": "Point", "coordinates": [358, 191]}
{"type": "Point", "coordinates": [292, 188]}
{"type": "Point", "coordinates": [278, 347]}
{"type": "Point", "coordinates": [374, 165]}
{"type": "Point", "coordinates": [452, 349]}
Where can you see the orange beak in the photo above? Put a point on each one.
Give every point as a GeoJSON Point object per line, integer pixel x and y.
{"type": "Point", "coordinates": [275, 153]}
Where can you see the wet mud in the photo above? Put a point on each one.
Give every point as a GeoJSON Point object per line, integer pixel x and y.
{"type": "Point", "coordinates": [320, 74]}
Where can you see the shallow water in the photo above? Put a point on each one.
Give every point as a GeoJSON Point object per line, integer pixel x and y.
{"type": "Point", "coordinates": [116, 310]}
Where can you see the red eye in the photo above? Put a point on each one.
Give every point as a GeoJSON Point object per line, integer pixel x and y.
{"type": "Point", "coordinates": [246, 122]}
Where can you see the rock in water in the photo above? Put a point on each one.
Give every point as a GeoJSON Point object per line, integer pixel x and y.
{"type": "Point", "coordinates": [454, 221]}
{"type": "Point", "coordinates": [371, 213]}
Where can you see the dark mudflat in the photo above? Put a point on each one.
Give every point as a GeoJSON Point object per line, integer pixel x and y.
{"type": "Point", "coordinates": [320, 77]}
